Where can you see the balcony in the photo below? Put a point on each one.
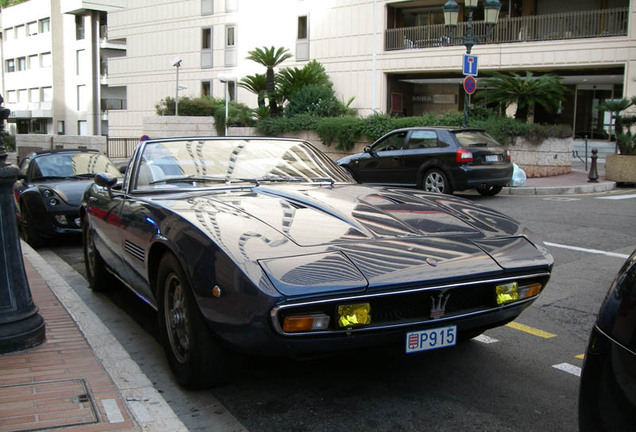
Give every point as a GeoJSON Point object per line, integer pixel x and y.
{"type": "Point", "coordinates": [573, 25]}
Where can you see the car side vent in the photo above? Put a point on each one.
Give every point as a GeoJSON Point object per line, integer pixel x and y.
{"type": "Point", "coordinates": [296, 205]}
{"type": "Point", "coordinates": [134, 250]}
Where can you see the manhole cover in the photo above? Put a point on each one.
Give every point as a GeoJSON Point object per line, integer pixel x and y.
{"type": "Point", "coordinates": [45, 405]}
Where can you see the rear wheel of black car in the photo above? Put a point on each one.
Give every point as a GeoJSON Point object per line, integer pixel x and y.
{"type": "Point", "coordinates": [99, 279]}
{"type": "Point", "coordinates": [27, 229]}
{"type": "Point", "coordinates": [436, 181]}
{"type": "Point", "coordinates": [485, 190]}
{"type": "Point", "coordinates": [196, 358]}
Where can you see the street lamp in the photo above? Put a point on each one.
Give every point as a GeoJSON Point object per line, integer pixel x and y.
{"type": "Point", "coordinates": [451, 15]}
{"type": "Point", "coordinates": [225, 78]}
{"type": "Point", "coordinates": [176, 62]}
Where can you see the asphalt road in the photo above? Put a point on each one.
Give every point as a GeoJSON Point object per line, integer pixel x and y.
{"type": "Point", "coordinates": [521, 378]}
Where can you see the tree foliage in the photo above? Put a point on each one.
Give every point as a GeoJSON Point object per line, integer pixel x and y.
{"type": "Point", "coordinates": [257, 84]}
{"type": "Point", "coordinates": [526, 91]}
{"type": "Point", "coordinates": [623, 125]}
{"type": "Point", "coordinates": [270, 58]}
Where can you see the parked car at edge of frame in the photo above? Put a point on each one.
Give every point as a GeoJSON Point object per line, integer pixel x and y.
{"type": "Point", "coordinates": [265, 246]}
{"type": "Point", "coordinates": [607, 394]}
{"type": "Point", "coordinates": [49, 188]}
{"type": "Point", "coordinates": [435, 159]}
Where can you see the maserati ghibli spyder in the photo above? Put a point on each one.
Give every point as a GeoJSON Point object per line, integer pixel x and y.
{"type": "Point", "coordinates": [265, 246]}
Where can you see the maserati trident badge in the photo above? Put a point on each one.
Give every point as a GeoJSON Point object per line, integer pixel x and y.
{"type": "Point", "coordinates": [438, 304]}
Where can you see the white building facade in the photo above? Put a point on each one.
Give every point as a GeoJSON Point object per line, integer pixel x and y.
{"type": "Point", "coordinates": [392, 56]}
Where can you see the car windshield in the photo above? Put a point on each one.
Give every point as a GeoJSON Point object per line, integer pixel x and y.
{"type": "Point", "coordinates": [475, 138]}
{"type": "Point", "coordinates": [71, 165]}
{"type": "Point", "coordinates": [205, 163]}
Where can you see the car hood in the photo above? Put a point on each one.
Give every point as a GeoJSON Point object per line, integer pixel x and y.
{"type": "Point", "coordinates": [71, 191]}
{"type": "Point", "coordinates": [359, 236]}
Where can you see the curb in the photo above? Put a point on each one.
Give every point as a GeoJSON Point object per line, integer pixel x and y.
{"type": "Point", "coordinates": [150, 410]}
{"type": "Point", "coordinates": [560, 190]}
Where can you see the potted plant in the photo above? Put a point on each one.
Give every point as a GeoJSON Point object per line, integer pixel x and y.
{"type": "Point", "coordinates": [621, 167]}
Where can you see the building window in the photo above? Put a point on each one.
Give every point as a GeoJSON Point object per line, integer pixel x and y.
{"type": "Point", "coordinates": [230, 36]}
{"type": "Point", "coordinates": [79, 27]}
{"type": "Point", "coordinates": [206, 48]}
{"type": "Point", "coordinates": [302, 41]}
{"type": "Point", "coordinates": [231, 5]}
{"type": "Point", "coordinates": [82, 127]}
{"type": "Point", "coordinates": [19, 31]}
{"type": "Point", "coordinates": [206, 88]}
{"type": "Point", "coordinates": [10, 65]}
{"type": "Point", "coordinates": [32, 28]}
{"type": "Point", "coordinates": [79, 59]}
{"type": "Point", "coordinates": [231, 90]}
{"type": "Point", "coordinates": [34, 95]}
{"type": "Point", "coordinates": [12, 96]}
{"type": "Point", "coordinates": [47, 94]}
{"type": "Point", "coordinates": [9, 33]}
{"type": "Point", "coordinates": [33, 62]}
{"type": "Point", "coordinates": [21, 63]}
{"type": "Point", "coordinates": [207, 7]}
{"type": "Point", "coordinates": [45, 60]}
{"type": "Point", "coordinates": [45, 25]}
{"type": "Point", "coordinates": [81, 97]}
{"type": "Point", "coordinates": [23, 96]}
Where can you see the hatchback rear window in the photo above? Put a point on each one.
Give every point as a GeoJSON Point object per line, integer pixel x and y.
{"type": "Point", "coordinates": [475, 139]}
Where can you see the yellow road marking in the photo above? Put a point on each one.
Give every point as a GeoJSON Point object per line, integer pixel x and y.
{"type": "Point", "coordinates": [580, 356]}
{"type": "Point", "coordinates": [531, 330]}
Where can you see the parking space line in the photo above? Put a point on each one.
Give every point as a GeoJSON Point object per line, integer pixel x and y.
{"type": "Point", "coordinates": [617, 197]}
{"type": "Point", "coordinates": [580, 356]}
{"type": "Point", "coordinates": [485, 339]}
{"type": "Point", "coordinates": [566, 367]}
{"type": "Point", "coordinates": [592, 251]}
{"type": "Point", "coordinates": [531, 330]}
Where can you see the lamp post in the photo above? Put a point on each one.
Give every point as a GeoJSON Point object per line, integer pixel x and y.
{"type": "Point", "coordinates": [21, 326]}
{"type": "Point", "coordinates": [176, 62]}
{"type": "Point", "coordinates": [224, 78]}
{"type": "Point", "coordinates": [470, 39]}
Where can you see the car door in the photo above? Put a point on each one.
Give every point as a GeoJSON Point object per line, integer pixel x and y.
{"type": "Point", "coordinates": [422, 148]}
{"type": "Point", "coordinates": [383, 162]}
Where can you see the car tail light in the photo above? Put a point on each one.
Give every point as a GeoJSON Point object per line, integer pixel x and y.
{"type": "Point", "coordinates": [464, 155]}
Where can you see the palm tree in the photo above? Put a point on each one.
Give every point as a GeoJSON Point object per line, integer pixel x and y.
{"type": "Point", "coordinates": [546, 90]}
{"type": "Point", "coordinates": [257, 84]}
{"type": "Point", "coordinates": [270, 58]}
{"type": "Point", "coordinates": [292, 79]}
{"type": "Point", "coordinates": [625, 140]}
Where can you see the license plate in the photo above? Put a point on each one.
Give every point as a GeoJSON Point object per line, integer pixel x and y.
{"type": "Point", "coordinates": [425, 340]}
{"type": "Point", "coordinates": [492, 158]}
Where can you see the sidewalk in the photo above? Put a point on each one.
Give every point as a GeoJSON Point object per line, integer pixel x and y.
{"type": "Point", "coordinates": [81, 378]}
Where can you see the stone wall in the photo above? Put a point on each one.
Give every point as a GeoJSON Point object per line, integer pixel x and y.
{"type": "Point", "coordinates": [552, 157]}
{"type": "Point", "coordinates": [28, 143]}
{"type": "Point", "coordinates": [181, 126]}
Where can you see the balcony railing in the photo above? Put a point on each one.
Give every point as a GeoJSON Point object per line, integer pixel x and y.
{"type": "Point", "coordinates": [573, 25]}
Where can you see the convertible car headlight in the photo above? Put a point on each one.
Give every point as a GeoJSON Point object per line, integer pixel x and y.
{"type": "Point", "coordinates": [354, 315]}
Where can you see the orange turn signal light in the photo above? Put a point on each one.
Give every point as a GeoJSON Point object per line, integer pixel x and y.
{"type": "Point", "coordinates": [302, 323]}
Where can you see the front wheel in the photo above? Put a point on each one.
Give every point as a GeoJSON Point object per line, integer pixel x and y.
{"type": "Point", "coordinates": [99, 279]}
{"type": "Point", "coordinates": [436, 181]}
{"type": "Point", "coordinates": [485, 190]}
{"type": "Point", "coordinates": [27, 229]}
{"type": "Point", "coordinates": [196, 358]}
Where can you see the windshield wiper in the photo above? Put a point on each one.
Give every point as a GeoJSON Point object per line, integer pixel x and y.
{"type": "Point", "coordinates": [189, 179]}
{"type": "Point", "coordinates": [85, 175]}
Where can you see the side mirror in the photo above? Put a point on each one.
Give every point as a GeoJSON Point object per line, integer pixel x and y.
{"type": "Point", "coordinates": [107, 181]}
{"type": "Point", "coordinates": [367, 149]}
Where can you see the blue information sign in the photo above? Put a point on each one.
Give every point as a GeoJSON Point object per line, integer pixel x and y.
{"type": "Point", "coordinates": [470, 65]}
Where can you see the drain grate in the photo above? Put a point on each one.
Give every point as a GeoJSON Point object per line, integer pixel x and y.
{"type": "Point", "coordinates": [45, 405]}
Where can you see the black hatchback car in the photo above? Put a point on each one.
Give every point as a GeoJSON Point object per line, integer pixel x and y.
{"type": "Point", "coordinates": [440, 160]}
{"type": "Point", "coordinates": [607, 395]}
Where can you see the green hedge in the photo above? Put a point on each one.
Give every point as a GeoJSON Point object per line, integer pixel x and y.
{"type": "Point", "coordinates": [346, 131]}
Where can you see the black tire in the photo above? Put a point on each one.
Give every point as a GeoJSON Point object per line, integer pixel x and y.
{"type": "Point", "coordinates": [485, 190]}
{"type": "Point", "coordinates": [28, 231]}
{"type": "Point", "coordinates": [436, 181]}
{"type": "Point", "coordinates": [195, 356]}
{"type": "Point", "coordinates": [99, 279]}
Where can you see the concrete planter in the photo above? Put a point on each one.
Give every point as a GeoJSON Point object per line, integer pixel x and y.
{"type": "Point", "coordinates": [549, 158]}
{"type": "Point", "coordinates": [620, 168]}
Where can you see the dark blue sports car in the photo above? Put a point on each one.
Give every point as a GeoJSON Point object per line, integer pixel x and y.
{"type": "Point", "coordinates": [49, 188]}
{"type": "Point", "coordinates": [265, 246]}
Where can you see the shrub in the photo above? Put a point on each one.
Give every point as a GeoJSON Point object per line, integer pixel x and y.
{"type": "Point", "coordinates": [9, 141]}
{"type": "Point", "coordinates": [317, 100]}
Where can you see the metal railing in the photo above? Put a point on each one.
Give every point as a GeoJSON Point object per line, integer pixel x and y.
{"type": "Point", "coordinates": [573, 25]}
{"type": "Point", "coordinates": [120, 147]}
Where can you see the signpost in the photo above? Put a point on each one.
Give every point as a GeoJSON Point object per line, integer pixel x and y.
{"type": "Point", "coordinates": [470, 65]}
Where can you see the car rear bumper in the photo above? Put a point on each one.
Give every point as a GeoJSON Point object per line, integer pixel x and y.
{"type": "Point", "coordinates": [468, 177]}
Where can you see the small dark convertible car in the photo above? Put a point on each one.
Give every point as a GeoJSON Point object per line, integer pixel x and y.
{"type": "Point", "coordinates": [49, 188]}
{"type": "Point", "coordinates": [435, 159]}
{"type": "Point", "coordinates": [265, 246]}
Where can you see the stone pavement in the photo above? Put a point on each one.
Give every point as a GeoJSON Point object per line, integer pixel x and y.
{"type": "Point", "coordinates": [81, 379]}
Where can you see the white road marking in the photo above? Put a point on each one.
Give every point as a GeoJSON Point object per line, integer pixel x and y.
{"type": "Point", "coordinates": [485, 339]}
{"type": "Point", "coordinates": [112, 411]}
{"type": "Point", "coordinates": [618, 197]}
{"type": "Point", "coordinates": [592, 251]}
{"type": "Point", "coordinates": [566, 367]}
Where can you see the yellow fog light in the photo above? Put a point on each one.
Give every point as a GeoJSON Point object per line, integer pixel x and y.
{"type": "Point", "coordinates": [527, 291]}
{"type": "Point", "coordinates": [299, 323]}
{"type": "Point", "coordinates": [354, 315]}
{"type": "Point", "coordinates": [507, 293]}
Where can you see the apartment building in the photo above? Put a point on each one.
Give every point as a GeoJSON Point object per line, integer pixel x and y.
{"type": "Point", "coordinates": [54, 77]}
{"type": "Point", "coordinates": [392, 56]}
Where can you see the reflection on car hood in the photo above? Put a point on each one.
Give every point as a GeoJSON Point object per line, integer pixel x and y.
{"type": "Point", "coordinates": [70, 190]}
{"type": "Point", "coordinates": [381, 235]}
